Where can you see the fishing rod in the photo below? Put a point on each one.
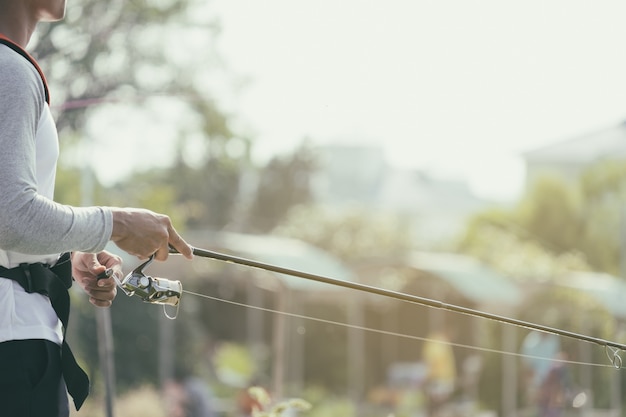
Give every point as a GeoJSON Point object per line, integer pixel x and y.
{"type": "Point", "coordinates": [168, 292]}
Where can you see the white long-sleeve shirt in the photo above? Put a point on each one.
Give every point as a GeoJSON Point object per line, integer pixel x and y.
{"type": "Point", "coordinates": [34, 228]}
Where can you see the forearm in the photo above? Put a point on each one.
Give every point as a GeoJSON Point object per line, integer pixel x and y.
{"type": "Point", "coordinates": [40, 226]}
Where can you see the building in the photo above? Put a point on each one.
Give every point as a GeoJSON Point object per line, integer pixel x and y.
{"type": "Point", "coordinates": [570, 157]}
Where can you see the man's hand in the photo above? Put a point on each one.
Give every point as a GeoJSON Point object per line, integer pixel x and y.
{"type": "Point", "coordinates": [143, 233]}
{"type": "Point", "coordinates": [87, 266]}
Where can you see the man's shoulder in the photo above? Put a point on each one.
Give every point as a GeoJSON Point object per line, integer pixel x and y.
{"type": "Point", "coordinates": [11, 62]}
{"type": "Point", "coordinates": [16, 72]}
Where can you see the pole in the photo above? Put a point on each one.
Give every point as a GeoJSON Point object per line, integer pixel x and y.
{"type": "Point", "coordinates": [104, 329]}
{"type": "Point", "coordinates": [105, 353]}
{"type": "Point", "coordinates": [617, 362]}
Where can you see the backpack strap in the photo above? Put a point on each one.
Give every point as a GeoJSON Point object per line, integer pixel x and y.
{"type": "Point", "coordinates": [8, 42]}
{"type": "Point", "coordinates": [54, 281]}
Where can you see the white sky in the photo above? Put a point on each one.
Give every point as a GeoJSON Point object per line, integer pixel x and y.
{"type": "Point", "coordinates": [457, 87]}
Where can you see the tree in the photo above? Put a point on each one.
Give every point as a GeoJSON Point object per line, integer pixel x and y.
{"type": "Point", "coordinates": [536, 239]}
{"type": "Point", "coordinates": [156, 58]}
{"type": "Point", "coordinates": [550, 212]}
{"type": "Point", "coordinates": [603, 187]}
{"type": "Point", "coordinates": [208, 194]}
{"type": "Point", "coordinates": [557, 226]}
{"type": "Point", "coordinates": [116, 49]}
{"type": "Point", "coordinates": [283, 183]}
{"type": "Point", "coordinates": [351, 235]}
{"type": "Point", "coordinates": [110, 63]}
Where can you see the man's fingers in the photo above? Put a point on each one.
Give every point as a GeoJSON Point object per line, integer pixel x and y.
{"type": "Point", "coordinates": [161, 254]}
{"type": "Point", "coordinates": [104, 289]}
{"type": "Point", "coordinates": [100, 303]}
{"type": "Point", "coordinates": [143, 233]}
{"type": "Point", "coordinates": [105, 283]}
{"type": "Point", "coordinates": [180, 245]}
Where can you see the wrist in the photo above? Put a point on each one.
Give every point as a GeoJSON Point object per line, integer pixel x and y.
{"type": "Point", "coordinates": [120, 224]}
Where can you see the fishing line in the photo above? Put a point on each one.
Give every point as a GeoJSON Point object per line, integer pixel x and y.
{"type": "Point", "coordinates": [408, 336]}
{"type": "Point", "coordinates": [615, 347]}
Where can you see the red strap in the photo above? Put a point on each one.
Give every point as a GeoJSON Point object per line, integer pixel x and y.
{"type": "Point", "coordinates": [8, 42]}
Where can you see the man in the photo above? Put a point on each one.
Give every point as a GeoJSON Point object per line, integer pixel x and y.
{"type": "Point", "coordinates": [538, 350]}
{"type": "Point", "coordinates": [37, 234]}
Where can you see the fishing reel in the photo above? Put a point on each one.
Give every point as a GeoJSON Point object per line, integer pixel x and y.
{"type": "Point", "coordinates": [152, 290]}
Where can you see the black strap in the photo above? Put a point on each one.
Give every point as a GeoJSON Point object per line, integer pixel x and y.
{"type": "Point", "coordinates": [55, 282]}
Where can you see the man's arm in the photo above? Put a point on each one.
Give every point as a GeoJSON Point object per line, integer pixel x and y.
{"type": "Point", "coordinates": [30, 222]}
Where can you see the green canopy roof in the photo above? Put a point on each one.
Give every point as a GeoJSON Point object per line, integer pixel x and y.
{"type": "Point", "coordinates": [287, 253]}
{"type": "Point", "coordinates": [606, 289]}
{"type": "Point", "coordinates": [471, 278]}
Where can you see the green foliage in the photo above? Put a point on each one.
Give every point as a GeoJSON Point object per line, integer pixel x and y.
{"type": "Point", "coordinates": [266, 408]}
{"type": "Point", "coordinates": [570, 309]}
{"type": "Point", "coordinates": [136, 335]}
{"type": "Point", "coordinates": [118, 49]}
{"type": "Point", "coordinates": [144, 401]}
{"type": "Point", "coordinates": [604, 179]}
{"type": "Point", "coordinates": [67, 189]}
{"type": "Point", "coordinates": [556, 227]}
{"type": "Point", "coordinates": [603, 186]}
{"type": "Point", "coordinates": [207, 194]}
{"type": "Point", "coordinates": [202, 197]}
{"type": "Point", "coordinates": [126, 56]}
{"type": "Point", "coordinates": [512, 252]}
{"type": "Point", "coordinates": [71, 182]}
{"type": "Point", "coordinates": [283, 184]}
{"type": "Point", "coordinates": [551, 213]}
{"type": "Point", "coordinates": [326, 344]}
{"type": "Point", "coordinates": [350, 235]}
{"type": "Point", "coordinates": [339, 407]}
{"type": "Point", "coordinates": [234, 363]}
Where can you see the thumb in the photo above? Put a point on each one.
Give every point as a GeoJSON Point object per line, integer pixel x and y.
{"type": "Point", "coordinates": [95, 267]}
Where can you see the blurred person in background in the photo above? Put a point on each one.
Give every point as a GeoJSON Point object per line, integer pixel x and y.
{"type": "Point", "coordinates": [556, 390]}
{"type": "Point", "coordinates": [186, 395]}
{"type": "Point", "coordinates": [441, 375]}
{"type": "Point", "coordinates": [45, 245]}
{"type": "Point", "coordinates": [538, 350]}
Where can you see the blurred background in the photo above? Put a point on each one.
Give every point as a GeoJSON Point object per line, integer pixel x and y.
{"type": "Point", "coordinates": [469, 152]}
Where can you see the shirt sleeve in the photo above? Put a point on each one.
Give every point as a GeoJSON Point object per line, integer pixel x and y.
{"type": "Point", "coordinates": [30, 223]}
